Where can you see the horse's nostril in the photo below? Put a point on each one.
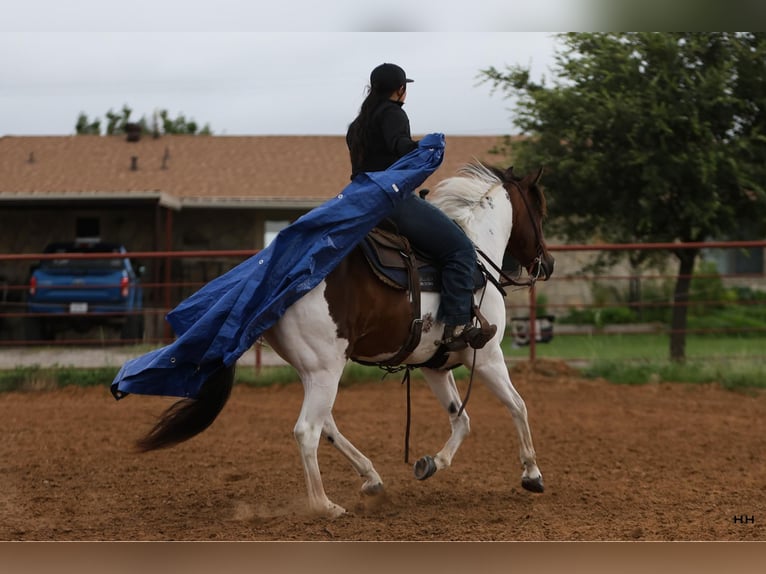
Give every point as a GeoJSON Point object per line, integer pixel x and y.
{"type": "Point", "coordinates": [549, 267]}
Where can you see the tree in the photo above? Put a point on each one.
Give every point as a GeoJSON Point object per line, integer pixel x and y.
{"type": "Point", "coordinates": [117, 122]}
{"type": "Point", "coordinates": [85, 126]}
{"type": "Point", "coordinates": [180, 125]}
{"type": "Point", "coordinates": [649, 137]}
{"type": "Point", "coordinates": [162, 123]}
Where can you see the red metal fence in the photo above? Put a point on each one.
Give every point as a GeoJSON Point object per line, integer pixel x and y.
{"type": "Point", "coordinates": [172, 276]}
{"type": "Point", "coordinates": [751, 284]}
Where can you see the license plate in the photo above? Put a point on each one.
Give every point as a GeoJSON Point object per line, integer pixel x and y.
{"type": "Point", "coordinates": [78, 307]}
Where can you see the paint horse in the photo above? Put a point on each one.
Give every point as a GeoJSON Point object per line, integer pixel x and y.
{"type": "Point", "coordinates": [353, 315]}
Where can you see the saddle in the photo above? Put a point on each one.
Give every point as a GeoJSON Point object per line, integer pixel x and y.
{"type": "Point", "coordinates": [393, 260]}
{"type": "Point", "coordinates": [396, 264]}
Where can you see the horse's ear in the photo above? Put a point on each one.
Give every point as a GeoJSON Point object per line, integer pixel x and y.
{"type": "Point", "coordinates": [508, 174]}
{"type": "Point", "coordinates": [531, 179]}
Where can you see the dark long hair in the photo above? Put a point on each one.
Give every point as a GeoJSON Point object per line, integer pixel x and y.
{"type": "Point", "coordinates": [360, 127]}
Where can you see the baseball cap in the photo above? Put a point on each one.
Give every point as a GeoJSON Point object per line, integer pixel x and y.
{"type": "Point", "coordinates": [388, 77]}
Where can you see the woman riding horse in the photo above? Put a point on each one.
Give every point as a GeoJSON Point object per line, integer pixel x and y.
{"type": "Point", "coordinates": [379, 136]}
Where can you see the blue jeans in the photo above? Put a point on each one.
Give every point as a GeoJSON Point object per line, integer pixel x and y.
{"type": "Point", "coordinates": [436, 235]}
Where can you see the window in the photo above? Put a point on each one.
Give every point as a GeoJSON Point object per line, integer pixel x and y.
{"type": "Point", "coordinates": [87, 227]}
{"type": "Point", "coordinates": [737, 261]}
{"type": "Point", "coordinates": [272, 229]}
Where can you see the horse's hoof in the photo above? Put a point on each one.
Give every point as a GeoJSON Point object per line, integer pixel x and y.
{"type": "Point", "coordinates": [533, 484]}
{"type": "Point", "coordinates": [425, 468]}
{"type": "Point", "coordinates": [330, 511]}
{"type": "Point", "coordinates": [373, 489]}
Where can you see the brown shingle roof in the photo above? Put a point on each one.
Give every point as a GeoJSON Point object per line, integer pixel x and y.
{"type": "Point", "coordinates": [199, 169]}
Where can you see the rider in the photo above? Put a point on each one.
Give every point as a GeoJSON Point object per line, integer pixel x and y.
{"type": "Point", "coordinates": [379, 136]}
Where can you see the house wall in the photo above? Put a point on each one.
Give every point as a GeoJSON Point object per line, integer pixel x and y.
{"type": "Point", "coordinates": [30, 230]}
{"type": "Point", "coordinates": [140, 229]}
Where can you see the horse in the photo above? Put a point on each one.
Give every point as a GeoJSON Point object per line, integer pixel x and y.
{"type": "Point", "coordinates": [353, 315]}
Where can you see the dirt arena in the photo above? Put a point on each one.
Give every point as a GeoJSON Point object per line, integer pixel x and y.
{"type": "Point", "coordinates": [653, 462]}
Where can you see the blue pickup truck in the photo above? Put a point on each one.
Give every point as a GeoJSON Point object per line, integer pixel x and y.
{"type": "Point", "coordinates": [72, 292]}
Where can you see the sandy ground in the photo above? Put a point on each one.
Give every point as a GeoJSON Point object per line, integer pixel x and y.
{"type": "Point", "coordinates": [654, 462]}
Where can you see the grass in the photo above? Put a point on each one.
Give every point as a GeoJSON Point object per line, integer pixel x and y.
{"type": "Point", "coordinates": [353, 373]}
{"type": "Point", "coordinates": [729, 374]}
{"type": "Point", "coordinates": [39, 378]}
{"type": "Point", "coordinates": [643, 346]}
{"type": "Point", "coordinates": [735, 362]}
{"type": "Point", "coordinates": [732, 361]}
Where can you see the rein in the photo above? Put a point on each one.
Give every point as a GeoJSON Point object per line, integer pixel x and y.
{"type": "Point", "coordinates": [507, 281]}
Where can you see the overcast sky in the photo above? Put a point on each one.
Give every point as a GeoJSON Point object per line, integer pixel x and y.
{"type": "Point", "coordinates": [219, 66]}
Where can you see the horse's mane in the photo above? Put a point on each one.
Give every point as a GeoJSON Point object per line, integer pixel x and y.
{"type": "Point", "coordinates": [459, 195]}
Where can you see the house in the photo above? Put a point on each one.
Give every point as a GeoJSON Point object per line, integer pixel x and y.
{"type": "Point", "coordinates": [173, 193]}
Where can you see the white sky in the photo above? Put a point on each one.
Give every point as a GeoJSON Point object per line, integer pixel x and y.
{"type": "Point", "coordinates": [220, 66]}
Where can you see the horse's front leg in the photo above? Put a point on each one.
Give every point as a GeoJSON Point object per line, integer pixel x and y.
{"type": "Point", "coordinates": [444, 388]}
{"type": "Point", "coordinates": [492, 371]}
{"type": "Point", "coordinates": [373, 485]}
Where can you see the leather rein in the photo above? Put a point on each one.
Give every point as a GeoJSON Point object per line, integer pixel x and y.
{"type": "Point", "coordinates": [504, 281]}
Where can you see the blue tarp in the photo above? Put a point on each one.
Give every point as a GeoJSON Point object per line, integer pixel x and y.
{"type": "Point", "coordinates": [218, 323]}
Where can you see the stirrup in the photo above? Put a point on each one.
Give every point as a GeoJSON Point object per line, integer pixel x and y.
{"type": "Point", "coordinates": [477, 337]}
{"type": "Point", "coordinates": [471, 335]}
{"type": "Point", "coordinates": [483, 333]}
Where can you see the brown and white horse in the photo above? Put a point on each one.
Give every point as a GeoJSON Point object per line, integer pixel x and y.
{"type": "Point", "coordinates": [353, 315]}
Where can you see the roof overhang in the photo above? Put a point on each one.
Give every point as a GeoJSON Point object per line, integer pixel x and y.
{"type": "Point", "coordinates": [96, 199]}
{"type": "Point", "coordinates": [248, 203]}
{"type": "Point", "coordinates": [88, 198]}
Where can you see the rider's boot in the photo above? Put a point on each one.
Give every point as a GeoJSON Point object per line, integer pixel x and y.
{"type": "Point", "coordinates": [458, 337]}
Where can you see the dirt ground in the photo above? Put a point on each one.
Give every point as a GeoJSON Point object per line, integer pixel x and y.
{"type": "Point", "coordinates": [653, 462]}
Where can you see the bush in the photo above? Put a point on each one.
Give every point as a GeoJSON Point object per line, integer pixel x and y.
{"type": "Point", "coordinates": [708, 290]}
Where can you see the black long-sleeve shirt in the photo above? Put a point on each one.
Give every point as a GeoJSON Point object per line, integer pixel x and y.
{"type": "Point", "coordinates": [388, 139]}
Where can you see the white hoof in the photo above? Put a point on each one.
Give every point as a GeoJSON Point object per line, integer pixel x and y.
{"type": "Point", "coordinates": [330, 510]}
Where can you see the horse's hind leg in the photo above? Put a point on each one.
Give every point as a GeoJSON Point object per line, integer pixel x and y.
{"type": "Point", "coordinates": [444, 388]}
{"type": "Point", "coordinates": [320, 389]}
{"type": "Point", "coordinates": [373, 485]}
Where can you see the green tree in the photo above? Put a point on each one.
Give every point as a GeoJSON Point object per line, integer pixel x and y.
{"type": "Point", "coordinates": [85, 126]}
{"type": "Point", "coordinates": [116, 121]}
{"type": "Point", "coordinates": [180, 125]}
{"type": "Point", "coordinates": [162, 123]}
{"type": "Point", "coordinates": [649, 137]}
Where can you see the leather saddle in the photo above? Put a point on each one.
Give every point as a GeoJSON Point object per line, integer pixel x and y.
{"type": "Point", "coordinates": [393, 260]}
{"type": "Point", "coordinates": [398, 265]}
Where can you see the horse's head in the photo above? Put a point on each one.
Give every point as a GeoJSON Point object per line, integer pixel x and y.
{"type": "Point", "coordinates": [527, 242]}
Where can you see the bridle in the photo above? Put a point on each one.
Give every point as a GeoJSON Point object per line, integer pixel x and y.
{"type": "Point", "coordinates": [507, 280]}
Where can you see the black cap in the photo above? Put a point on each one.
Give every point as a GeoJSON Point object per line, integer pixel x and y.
{"type": "Point", "coordinates": [387, 78]}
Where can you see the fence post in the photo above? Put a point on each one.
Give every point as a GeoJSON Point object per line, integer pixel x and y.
{"type": "Point", "coordinates": [532, 323]}
{"type": "Point", "coordinates": [166, 332]}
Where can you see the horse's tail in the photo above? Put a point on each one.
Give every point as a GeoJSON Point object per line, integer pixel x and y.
{"type": "Point", "coordinates": [189, 417]}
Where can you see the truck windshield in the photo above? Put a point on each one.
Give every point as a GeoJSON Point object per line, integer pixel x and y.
{"type": "Point", "coordinates": [69, 263]}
